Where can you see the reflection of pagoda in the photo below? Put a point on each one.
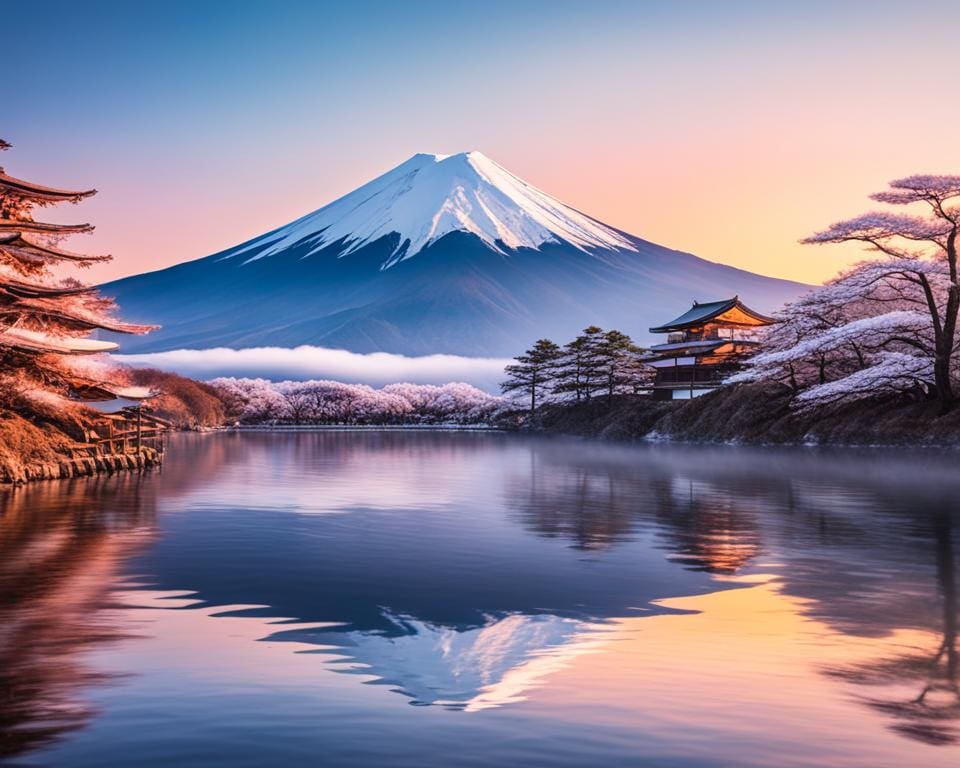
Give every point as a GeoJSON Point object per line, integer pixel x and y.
{"type": "Point", "coordinates": [707, 527]}
{"type": "Point", "coordinates": [58, 564]}
{"type": "Point", "coordinates": [704, 345]}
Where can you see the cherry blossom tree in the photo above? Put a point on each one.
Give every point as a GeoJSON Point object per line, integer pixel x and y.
{"type": "Point", "coordinates": [251, 400]}
{"type": "Point", "coordinates": [332, 402]}
{"type": "Point", "coordinates": [916, 269]}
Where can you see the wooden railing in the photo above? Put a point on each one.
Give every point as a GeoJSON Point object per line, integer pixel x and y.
{"type": "Point", "coordinates": [126, 431]}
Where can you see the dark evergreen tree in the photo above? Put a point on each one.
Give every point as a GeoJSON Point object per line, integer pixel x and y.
{"type": "Point", "coordinates": [534, 372]}
{"type": "Point", "coordinates": [578, 367]}
{"type": "Point", "coordinates": [618, 364]}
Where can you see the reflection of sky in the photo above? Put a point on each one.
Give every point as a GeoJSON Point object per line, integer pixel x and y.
{"type": "Point", "coordinates": [667, 604]}
{"type": "Point", "coordinates": [734, 673]}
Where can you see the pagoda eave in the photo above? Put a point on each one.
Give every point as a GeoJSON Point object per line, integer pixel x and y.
{"type": "Point", "coordinates": [31, 191]}
{"type": "Point", "coordinates": [15, 225]}
{"type": "Point", "coordinates": [17, 245]}
{"type": "Point", "coordinates": [24, 290]}
{"type": "Point", "coordinates": [78, 320]}
{"type": "Point", "coordinates": [105, 391]}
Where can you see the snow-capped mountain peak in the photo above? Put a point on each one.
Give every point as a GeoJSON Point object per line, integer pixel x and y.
{"type": "Point", "coordinates": [431, 195]}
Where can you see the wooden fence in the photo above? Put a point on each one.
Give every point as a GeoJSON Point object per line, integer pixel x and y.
{"type": "Point", "coordinates": [126, 431]}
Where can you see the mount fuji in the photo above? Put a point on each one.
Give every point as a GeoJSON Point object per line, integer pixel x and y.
{"type": "Point", "coordinates": [443, 254]}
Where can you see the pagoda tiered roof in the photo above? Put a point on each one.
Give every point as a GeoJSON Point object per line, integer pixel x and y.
{"type": "Point", "coordinates": [23, 247]}
{"type": "Point", "coordinates": [23, 289]}
{"type": "Point", "coordinates": [52, 310]}
{"type": "Point", "coordinates": [699, 314]}
{"type": "Point", "coordinates": [21, 225]}
{"type": "Point", "coordinates": [30, 191]}
{"type": "Point", "coordinates": [39, 315]}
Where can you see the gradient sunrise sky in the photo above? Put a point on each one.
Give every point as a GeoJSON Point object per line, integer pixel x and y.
{"type": "Point", "coordinates": [728, 129]}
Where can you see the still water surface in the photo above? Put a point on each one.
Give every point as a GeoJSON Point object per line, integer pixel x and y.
{"type": "Point", "coordinates": [431, 599]}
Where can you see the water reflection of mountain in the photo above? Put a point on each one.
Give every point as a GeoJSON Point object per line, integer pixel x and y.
{"type": "Point", "coordinates": [462, 568]}
{"type": "Point", "coordinates": [466, 669]}
{"type": "Point", "coordinates": [415, 523]}
{"type": "Point", "coordinates": [385, 520]}
{"type": "Point", "coordinates": [61, 545]}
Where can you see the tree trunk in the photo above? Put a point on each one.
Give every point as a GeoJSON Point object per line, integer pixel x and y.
{"type": "Point", "coordinates": [941, 365]}
{"type": "Point", "coordinates": [941, 378]}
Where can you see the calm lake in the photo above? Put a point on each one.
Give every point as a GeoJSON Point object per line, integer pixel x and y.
{"type": "Point", "coordinates": [434, 599]}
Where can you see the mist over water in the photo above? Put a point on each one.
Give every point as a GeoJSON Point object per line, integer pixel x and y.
{"type": "Point", "coordinates": [367, 599]}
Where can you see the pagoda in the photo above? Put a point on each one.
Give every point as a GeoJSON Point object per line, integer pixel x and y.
{"type": "Point", "coordinates": [704, 345]}
{"type": "Point", "coordinates": [44, 317]}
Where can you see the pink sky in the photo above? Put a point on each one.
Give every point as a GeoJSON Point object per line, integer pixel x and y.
{"type": "Point", "coordinates": [728, 130]}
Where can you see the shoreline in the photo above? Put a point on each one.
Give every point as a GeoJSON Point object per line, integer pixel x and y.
{"type": "Point", "coordinates": [87, 466]}
{"type": "Point", "coordinates": [755, 415]}
{"type": "Point", "coordinates": [363, 428]}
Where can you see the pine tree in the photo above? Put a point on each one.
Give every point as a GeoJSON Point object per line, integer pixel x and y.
{"type": "Point", "coordinates": [533, 373]}
{"type": "Point", "coordinates": [578, 368]}
{"type": "Point", "coordinates": [618, 364]}
{"type": "Point", "coordinates": [46, 320]}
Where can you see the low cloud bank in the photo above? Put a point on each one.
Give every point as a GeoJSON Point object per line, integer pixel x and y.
{"type": "Point", "coordinates": [306, 362]}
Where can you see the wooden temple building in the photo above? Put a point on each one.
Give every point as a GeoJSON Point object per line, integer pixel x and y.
{"type": "Point", "coordinates": [45, 318]}
{"type": "Point", "coordinates": [704, 345]}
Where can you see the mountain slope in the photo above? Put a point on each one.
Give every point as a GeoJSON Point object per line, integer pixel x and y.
{"type": "Point", "coordinates": [443, 254]}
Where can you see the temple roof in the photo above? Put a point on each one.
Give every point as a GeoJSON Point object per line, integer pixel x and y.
{"type": "Point", "coordinates": [706, 344]}
{"type": "Point", "coordinates": [18, 225]}
{"type": "Point", "coordinates": [23, 247]}
{"type": "Point", "coordinates": [106, 391]}
{"type": "Point", "coordinates": [24, 289]}
{"type": "Point", "coordinates": [78, 317]}
{"type": "Point", "coordinates": [27, 189]}
{"type": "Point", "coordinates": [702, 313]}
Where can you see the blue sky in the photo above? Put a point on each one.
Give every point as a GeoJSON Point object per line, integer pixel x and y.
{"type": "Point", "coordinates": [205, 123]}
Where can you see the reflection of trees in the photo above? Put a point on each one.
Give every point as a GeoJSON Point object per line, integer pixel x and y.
{"type": "Point", "coordinates": [705, 526]}
{"type": "Point", "coordinates": [932, 713]}
{"type": "Point", "coordinates": [59, 556]}
{"type": "Point", "coordinates": [589, 508]}
{"type": "Point", "coordinates": [850, 535]}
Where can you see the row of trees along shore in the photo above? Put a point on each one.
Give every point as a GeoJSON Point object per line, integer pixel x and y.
{"type": "Point", "coordinates": [259, 401]}
{"type": "Point", "coordinates": [885, 327]}
{"type": "Point", "coordinates": [597, 363]}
